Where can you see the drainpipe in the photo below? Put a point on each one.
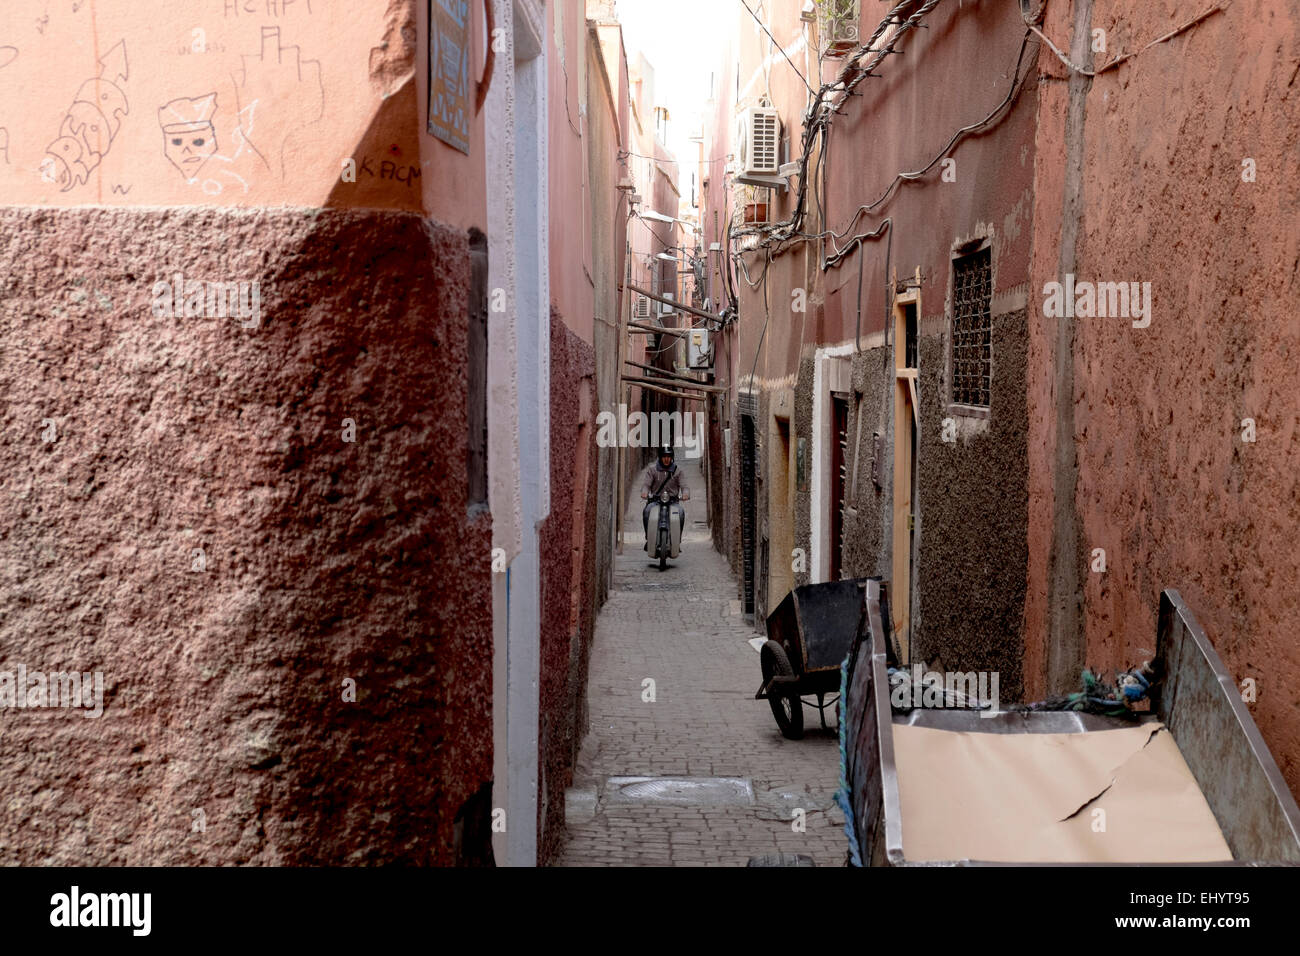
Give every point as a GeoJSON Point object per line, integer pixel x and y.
{"type": "Point", "coordinates": [1065, 647]}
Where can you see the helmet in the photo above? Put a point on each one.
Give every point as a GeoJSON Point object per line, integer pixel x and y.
{"type": "Point", "coordinates": [666, 452]}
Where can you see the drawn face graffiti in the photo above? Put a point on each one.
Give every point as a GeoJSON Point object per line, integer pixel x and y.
{"type": "Point", "coordinates": [189, 138]}
{"type": "Point", "coordinates": [189, 149]}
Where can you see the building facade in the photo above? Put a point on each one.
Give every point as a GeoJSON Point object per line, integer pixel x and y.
{"type": "Point", "coordinates": [266, 273]}
{"type": "Point", "coordinates": [910, 395]}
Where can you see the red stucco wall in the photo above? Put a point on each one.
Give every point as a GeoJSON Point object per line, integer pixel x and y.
{"type": "Point", "coordinates": [1166, 484]}
{"type": "Point", "coordinates": [325, 560]}
{"type": "Point", "coordinates": [565, 642]}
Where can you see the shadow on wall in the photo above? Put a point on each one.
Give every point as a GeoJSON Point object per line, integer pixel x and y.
{"type": "Point", "coordinates": [568, 548]}
{"type": "Point", "coordinates": [384, 169]}
{"type": "Point", "coordinates": [259, 535]}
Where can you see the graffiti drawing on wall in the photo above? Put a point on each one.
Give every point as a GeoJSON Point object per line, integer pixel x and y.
{"type": "Point", "coordinates": [190, 142]}
{"type": "Point", "coordinates": [279, 94]}
{"type": "Point", "coordinates": [90, 125]}
{"type": "Point", "coordinates": [7, 55]}
{"type": "Point", "coordinates": [189, 138]}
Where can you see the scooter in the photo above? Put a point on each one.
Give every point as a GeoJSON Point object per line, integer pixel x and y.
{"type": "Point", "coordinates": [667, 517]}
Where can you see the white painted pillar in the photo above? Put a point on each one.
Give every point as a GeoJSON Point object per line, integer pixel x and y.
{"type": "Point", "coordinates": [533, 300]}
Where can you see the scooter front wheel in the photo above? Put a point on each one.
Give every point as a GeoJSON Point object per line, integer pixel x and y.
{"type": "Point", "coordinates": [663, 550]}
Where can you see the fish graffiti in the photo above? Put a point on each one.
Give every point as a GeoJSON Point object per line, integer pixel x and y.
{"type": "Point", "coordinates": [90, 125]}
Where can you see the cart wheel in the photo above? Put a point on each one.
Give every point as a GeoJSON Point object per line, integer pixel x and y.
{"type": "Point", "coordinates": [783, 699]}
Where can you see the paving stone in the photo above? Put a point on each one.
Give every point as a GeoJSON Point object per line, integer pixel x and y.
{"type": "Point", "coordinates": [692, 641]}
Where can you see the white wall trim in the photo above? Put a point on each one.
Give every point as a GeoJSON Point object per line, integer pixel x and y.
{"type": "Point", "coordinates": [819, 560]}
{"type": "Point", "coordinates": [533, 316]}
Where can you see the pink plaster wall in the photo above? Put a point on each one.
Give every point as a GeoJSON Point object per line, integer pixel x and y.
{"type": "Point", "coordinates": [572, 290]}
{"type": "Point", "coordinates": [290, 89]}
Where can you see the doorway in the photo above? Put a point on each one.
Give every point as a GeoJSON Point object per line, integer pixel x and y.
{"type": "Point", "coordinates": [780, 513]}
{"type": "Point", "coordinates": [839, 458]}
{"type": "Point", "coordinates": [906, 420]}
{"type": "Point", "coordinates": [748, 457]}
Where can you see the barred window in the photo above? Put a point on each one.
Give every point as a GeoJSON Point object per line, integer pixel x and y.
{"type": "Point", "coordinates": [972, 329]}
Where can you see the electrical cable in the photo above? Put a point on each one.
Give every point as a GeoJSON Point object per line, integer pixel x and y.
{"type": "Point", "coordinates": [1218, 8]}
{"type": "Point", "coordinates": [655, 159]}
{"type": "Point", "coordinates": [857, 334]}
{"type": "Point", "coordinates": [767, 317]}
{"type": "Point", "coordinates": [818, 115]}
{"type": "Point", "coordinates": [566, 100]}
{"type": "Point", "coordinates": [1016, 84]}
{"type": "Point", "coordinates": [778, 45]}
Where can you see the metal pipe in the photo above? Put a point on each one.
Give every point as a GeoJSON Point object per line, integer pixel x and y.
{"type": "Point", "coordinates": [680, 395]}
{"type": "Point", "coordinates": [670, 383]}
{"type": "Point", "coordinates": [676, 304]}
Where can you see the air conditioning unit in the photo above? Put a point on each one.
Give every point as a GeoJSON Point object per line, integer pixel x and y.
{"type": "Point", "coordinates": [641, 309]}
{"type": "Point", "coordinates": [759, 139]}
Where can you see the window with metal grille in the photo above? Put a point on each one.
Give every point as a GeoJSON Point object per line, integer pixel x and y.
{"type": "Point", "coordinates": [972, 329]}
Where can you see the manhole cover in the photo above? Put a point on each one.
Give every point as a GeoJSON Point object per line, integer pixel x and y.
{"type": "Point", "coordinates": [680, 791]}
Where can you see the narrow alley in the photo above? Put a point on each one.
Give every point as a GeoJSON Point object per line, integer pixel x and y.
{"type": "Point", "coordinates": [683, 630]}
{"type": "Point", "coordinates": [338, 340]}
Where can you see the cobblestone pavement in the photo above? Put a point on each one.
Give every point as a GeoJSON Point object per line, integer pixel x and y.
{"type": "Point", "coordinates": [683, 629]}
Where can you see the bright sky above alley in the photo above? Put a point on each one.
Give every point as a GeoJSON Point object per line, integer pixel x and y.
{"type": "Point", "coordinates": [684, 41]}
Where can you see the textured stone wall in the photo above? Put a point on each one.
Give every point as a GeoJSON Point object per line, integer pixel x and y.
{"type": "Point", "coordinates": [971, 549]}
{"type": "Point", "coordinates": [867, 519]}
{"type": "Point", "coordinates": [567, 584]}
{"type": "Point", "coordinates": [323, 559]}
{"type": "Point", "coordinates": [802, 427]}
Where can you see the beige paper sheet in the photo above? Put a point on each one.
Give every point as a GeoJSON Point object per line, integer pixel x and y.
{"type": "Point", "coordinates": [1031, 797]}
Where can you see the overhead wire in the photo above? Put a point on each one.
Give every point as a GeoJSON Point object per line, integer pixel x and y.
{"type": "Point", "coordinates": [962, 133]}
{"type": "Point", "coordinates": [778, 45]}
{"type": "Point", "coordinates": [818, 115]}
{"type": "Point", "coordinates": [767, 317]}
{"type": "Point", "coordinates": [658, 159]}
{"type": "Point", "coordinates": [1217, 8]}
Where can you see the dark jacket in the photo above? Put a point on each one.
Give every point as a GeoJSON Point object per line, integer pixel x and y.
{"type": "Point", "coordinates": [653, 480]}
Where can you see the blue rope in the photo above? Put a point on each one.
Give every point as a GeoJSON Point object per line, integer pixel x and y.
{"type": "Point", "coordinates": [842, 793]}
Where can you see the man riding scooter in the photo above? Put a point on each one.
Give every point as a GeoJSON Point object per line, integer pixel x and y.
{"type": "Point", "coordinates": [663, 479]}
